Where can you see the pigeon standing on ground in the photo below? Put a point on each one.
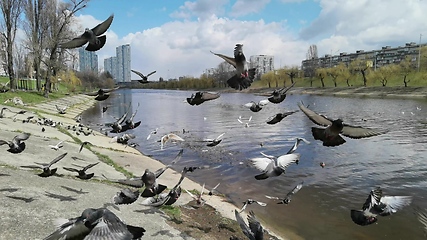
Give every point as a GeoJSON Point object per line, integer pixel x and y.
{"type": "Point", "coordinates": [144, 79]}
{"type": "Point", "coordinates": [244, 76]}
{"type": "Point", "coordinates": [82, 173]}
{"type": "Point", "coordinates": [92, 36]}
{"type": "Point", "coordinates": [17, 144]}
{"type": "Point", "coordinates": [330, 136]}
{"type": "Point", "coordinates": [377, 204]}
{"type": "Point", "coordinates": [288, 197]}
{"type": "Point", "coordinates": [272, 166]}
{"type": "Point", "coordinates": [254, 230]}
{"type": "Point", "coordinates": [251, 201]}
{"type": "Point", "coordinates": [95, 223]}
{"type": "Point", "coordinates": [201, 97]}
{"type": "Point", "coordinates": [47, 171]}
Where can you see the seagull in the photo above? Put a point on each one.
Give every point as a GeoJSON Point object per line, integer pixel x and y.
{"type": "Point", "coordinates": [16, 145]}
{"type": "Point", "coordinates": [254, 230]}
{"type": "Point", "coordinates": [279, 117]}
{"type": "Point", "coordinates": [95, 223]}
{"type": "Point", "coordinates": [199, 199]}
{"type": "Point", "coordinates": [330, 136]}
{"type": "Point", "coordinates": [47, 171]}
{"type": "Point", "coordinates": [246, 123]}
{"type": "Point", "coordinates": [126, 196]}
{"type": "Point", "coordinates": [201, 97]}
{"type": "Point", "coordinates": [244, 76]}
{"type": "Point", "coordinates": [256, 107]}
{"type": "Point", "coordinates": [144, 79]}
{"type": "Point", "coordinates": [288, 196]}
{"type": "Point", "coordinates": [83, 144]}
{"type": "Point", "coordinates": [152, 132]}
{"type": "Point", "coordinates": [171, 137]}
{"type": "Point", "coordinates": [277, 96]}
{"type": "Point", "coordinates": [92, 36]}
{"type": "Point", "coordinates": [377, 204]}
{"type": "Point", "coordinates": [61, 110]}
{"type": "Point", "coordinates": [251, 201]}
{"type": "Point", "coordinates": [57, 146]}
{"type": "Point", "coordinates": [82, 173]}
{"type": "Point", "coordinates": [214, 142]}
{"type": "Point", "coordinates": [102, 94]}
{"type": "Point", "coordinates": [272, 166]}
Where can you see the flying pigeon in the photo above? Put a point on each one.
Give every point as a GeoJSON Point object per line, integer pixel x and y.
{"type": "Point", "coordinates": [279, 117]}
{"type": "Point", "coordinates": [254, 230]}
{"type": "Point", "coordinates": [83, 144]}
{"type": "Point", "coordinates": [251, 201]}
{"type": "Point", "coordinates": [82, 173]}
{"type": "Point", "coordinates": [95, 223]}
{"type": "Point", "coordinates": [1, 113]}
{"type": "Point", "coordinates": [61, 110]}
{"type": "Point", "coordinates": [144, 79]}
{"type": "Point", "coordinates": [422, 217]}
{"type": "Point", "coordinates": [149, 179]}
{"type": "Point", "coordinates": [377, 204]}
{"type": "Point", "coordinates": [47, 171]}
{"type": "Point", "coordinates": [152, 132]}
{"type": "Point", "coordinates": [117, 127]}
{"type": "Point", "coordinates": [297, 142]}
{"type": "Point", "coordinates": [199, 198]}
{"type": "Point", "coordinates": [256, 107]}
{"type": "Point", "coordinates": [244, 76]}
{"type": "Point", "coordinates": [102, 94]}
{"type": "Point", "coordinates": [246, 123]}
{"type": "Point", "coordinates": [57, 146]}
{"type": "Point", "coordinates": [214, 142]}
{"type": "Point", "coordinates": [272, 166]}
{"type": "Point", "coordinates": [169, 137]}
{"type": "Point", "coordinates": [277, 96]}
{"type": "Point", "coordinates": [16, 145]}
{"type": "Point", "coordinates": [201, 97]}
{"type": "Point", "coordinates": [288, 196]}
{"type": "Point", "coordinates": [211, 192]}
{"type": "Point", "coordinates": [125, 196]}
{"type": "Point", "coordinates": [92, 36]}
{"type": "Point", "coordinates": [330, 136]}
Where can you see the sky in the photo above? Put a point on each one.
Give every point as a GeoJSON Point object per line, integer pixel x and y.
{"type": "Point", "coordinates": [175, 37]}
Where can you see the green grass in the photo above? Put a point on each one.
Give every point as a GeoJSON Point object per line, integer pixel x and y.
{"type": "Point", "coordinates": [174, 212]}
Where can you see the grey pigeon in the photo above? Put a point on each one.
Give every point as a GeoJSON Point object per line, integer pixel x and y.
{"type": "Point", "coordinates": [254, 230]}
{"type": "Point", "coordinates": [102, 94]}
{"type": "Point", "coordinates": [126, 196]}
{"type": "Point", "coordinates": [82, 172]}
{"type": "Point", "coordinates": [92, 36]}
{"type": "Point", "coordinates": [61, 110]}
{"type": "Point", "coordinates": [47, 171]}
{"type": "Point", "coordinates": [214, 142]}
{"type": "Point", "coordinates": [144, 79]}
{"type": "Point", "coordinates": [279, 117]}
{"type": "Point", "coordinates": [199, 198]}
{"type": "Point", "coordinates": [277, 96]}
{"type": "Point", "coordinates": [244, 76]}
{"type": "Point", "coordinates": [84, 144]}
{"type": "Point", "coordinates": [1, 113]}
{"type": "Point", "coordinates": [95, 223]}
{"type": "Point", "coordinates": [272, 166]}
{"type": "Point", "coordinates": [330, 136]}
{"type": "Point", "coordinates": [17, 144]}
{"type": "Point", "coordinates": [256, 107]}
{"type": "Point", "coordinates": [377, 204]}
{"type": "Point", "coordinates": [288, 196]}
{"type": "Point", "coordinates": [296, 144]}
{"type": "Point", "coordinates": [201, 97]}
{"type": "Point", "coordinates": [251, 201]}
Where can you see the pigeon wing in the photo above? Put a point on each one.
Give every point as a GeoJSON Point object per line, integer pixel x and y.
{"type": "Point", "coordinates": [261, 163]}
{"type": "Point", "coordinates": [373, 199]}
{"type": "Point", "coordinates": [21, 137]}
{"type": "Point", "coordinates": [255, 226]}
{"type": "Point", "coordinates": [360, 132]}
{"type": "Point", "coordinates": [285, 160]}
{"type": "Point", "coordinates": [314, 117]}
{"type": "Point", "coordinates": [245, 228]}
{"type": "Point", "coordinates": [209, 96]}
{"type": "Point", "coordinates": [73, 228]}
{"type": "Point", "coordinates": [138, 73]}
{"type": "Point", "coordinates": [74, 43]}
{"type": "Point", "coordinates": [103, 27]}
{"type": "Point", "coordinates": [151, 73]}
{"type": "Point", "coordinates": [57, 159]}
{"type": "Point", "coordinates": [109, 226]}
{"type": "Point", "coordinates": [89, 166]}
{"type": "Point", "coordinates": [394, 203]}
{"type": "Point", "coordinates": [71, 169]}
{"type": "Point", "coordinates": [295, 190]}
{"type": "Point", "coordinates": [230, 60]}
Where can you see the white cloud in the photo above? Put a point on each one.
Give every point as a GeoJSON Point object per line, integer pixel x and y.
{"type": "Point", "coordinates": [201, 9]}
{"type": "Point", "coordinates": [244, 7]}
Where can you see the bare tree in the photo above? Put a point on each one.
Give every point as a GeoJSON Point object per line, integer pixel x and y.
{"type": "Point", "coordinates": [11, 10]}
{"type": "Point", "coordinates": [312, 60]}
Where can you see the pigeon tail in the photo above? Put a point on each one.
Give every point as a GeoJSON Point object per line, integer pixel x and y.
{"type": "Point", "coordinates": [261, 176]}
{"type": "Point", "coordinates": [239, 83]}
{"type": "Point", "coordinates": [99, 44]}
{"type": "Point", "coordinates": [328, 141]}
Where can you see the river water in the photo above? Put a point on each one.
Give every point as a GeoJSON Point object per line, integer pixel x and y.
{"type": "Point", "coordinates": [395, 161]}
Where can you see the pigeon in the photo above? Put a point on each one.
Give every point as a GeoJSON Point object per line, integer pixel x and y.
{"type": "Point", "coordinates": [149, 179]}
{"type": "Point", "coordinates": [211, 192]}
{"type": "Point", "coordinates": [129, 123]}
{"type": "Point", "coordinates": [17, 144]}
{"type": "Point", "coordinates": [279, 117]}
{"type": "Point", "coordinates": [104, 109]}
{"type": "Point", "coordinates": [47, 171]}
{"type": "Point", "coordinates": [61, 110]}
{"type": "Point", "coordinates": [272, 166]}
{"type": "Point", "coordinates": [288, 196]}
{"type": "Point", "coordinates": [123, 139]}
{"type": "Point", "coordinates": [171, 137]}
{"type": "Point", "coordinates": [95, 223]}
{"type": "Point", "coordinates": [214, 142]}
{"type": "Point", "coordinates": [57, 146]}
{"type": "Point", "coordinates": [92, 36]}
{"type": "Point", "coordinates": [84, 144]}
{"type": "Point", "coordinates": [1, 113]}
{"type": "Point", "coordinates": [152, 132]}
{"type": "Point", "coordinates": [295, 146]}
{"type": "Point", "coordinates": [82, 173]}
{"type": "Point", "coordinates": [244, 76]}
{"type": "Point", "coordinates": [126, 196]}
{"type": "Point", "coordinates": [254, 230]}
{"type": "Point", "coordinates": [330, 136]}
{"type": "Point", "coordinates": [256, 107]}
{"type": "Point", "coordinates": [251, 201]}
{"type": "Point", "coordinates": [199, 199]}
{"type": "Point", "coordinates": [377, 204]}
{"type": "Point", "coordinates": [144, 79]}
{"type": "Point", "coordinates": [278, 96]}
{"type": "Point", "coordinates": [201, 97]}
{"type": "Point", "coordinates": [246, 123]}
{"type": "Point", "coordinates": [117, 127]}
{"type": "Point", "coordinates": [102, 94]}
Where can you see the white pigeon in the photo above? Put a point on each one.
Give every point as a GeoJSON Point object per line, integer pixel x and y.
{"type": "Point", "coordinates": [256, 107]}
{"type": "Point", "coordinates": [171, 137]}
{"type": "Point", "coordinates": [272, 166]}
{"type": "Point", "coordinates": [152, 132]}
{"type": "Point", "coordinates": [57, 146]}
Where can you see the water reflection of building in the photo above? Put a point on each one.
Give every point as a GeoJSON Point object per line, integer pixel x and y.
{"type": "Point", "coordinates": [120, 103]}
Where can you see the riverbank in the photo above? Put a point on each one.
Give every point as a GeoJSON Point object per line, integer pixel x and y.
{"type": "Point", "coordinates": [31, 203]}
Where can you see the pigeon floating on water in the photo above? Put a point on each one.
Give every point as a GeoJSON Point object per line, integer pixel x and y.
{"type": "Point", "coordinates": [288, 196]}
{"type": "Point", "coordinates": [17, 144]}
{"type": "Point", "coordinates": [214, 142]}
{"type": "Point", "coordinates": [82, 172]}
{"type": "Point", "coordinates": [377, 204]}
{"type": "Point", "coordinates": [47, 171]}
{"type": "Point", "coordinates": [256, 107]}
{"type": "Point", "coordinates": [254, 230]}
{"type": "Point", "coordinates": [144, 79]}
{"type": "Point", "coordinates": [201, 97]}
{"type": "Point", "coordinates": [95, 223]}
{"type": "Point", "coordinates": [244, 76]}
{"type": "Point", "coordinates": [93, 36]}
{"type": "Point", "coordinates": [277, 96]}
{"type": "Point", "coordinates": [251, 201]}
{"type": "Point", "coordinates": [279, 117]}
{"type": "Point", "coordinates": [330, 136]}
{"type": "Point", "coordinates": [272, 166]}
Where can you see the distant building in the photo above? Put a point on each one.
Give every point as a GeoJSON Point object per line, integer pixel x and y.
{"type": "Point", "coordinates": [88, 61]}
{"type": "Point", "coordinates": [110, 65]}
{"type": "Point", "coordinates": [263, 64]}
{"type": "Point", "coordinates": [123, 63]}
{"type": "Point", "coordinates": [374, 58]}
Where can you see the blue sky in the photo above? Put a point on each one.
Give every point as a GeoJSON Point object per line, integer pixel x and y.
{"type": "Point", "coordinates": [175, 37]}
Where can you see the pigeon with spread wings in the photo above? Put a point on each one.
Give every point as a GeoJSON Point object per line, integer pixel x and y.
{"type": "Point", "coordinates": [279, 95]}
{"type": "Point", "coordinates": [102, 94]}
{"type": "Point", "coordinates": [201, 97]}
{"type": "Point", "coordinates": [330, 136]}
{"type": "Point", "coordinates": [254, 230]}
{"type": "Point", "coordinates": [82, 172]}
{"type": "Point", "coordinates": [288, 196]}
{"type": "Point", "coordinates": [272, 166]}
{"type": "Point", "coordinates": [144, 79]}
{"type": "Point", "coordinates": [244, 76]}
{"type": "Point", "coordinates": [47, 171]}
{"type": "Point", "coordinates": [17, 144]}
{"type": "Point", "coordinates": [92, 36]}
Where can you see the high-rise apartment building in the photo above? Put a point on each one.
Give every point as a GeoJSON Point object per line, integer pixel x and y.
{"type": "Point", "coordinates": [88, 61]}
{"type": "Point", "coordinates": [110, 65]}
{"type": "Point", "coordinates": [263, 64]}
{"type": "Point", "coordinates": [123, 63]}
